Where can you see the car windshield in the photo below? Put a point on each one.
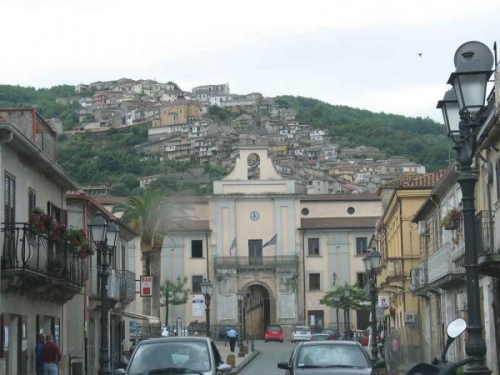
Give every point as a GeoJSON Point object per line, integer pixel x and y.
{"type": "Point", "coordinates": [331, 355]}
{"type": "Point", "coordinates": [170, 354]}
{"type": "Point", "coordinates": [320, 337]}
{"type": "Point", "coordinates": [274, 328]}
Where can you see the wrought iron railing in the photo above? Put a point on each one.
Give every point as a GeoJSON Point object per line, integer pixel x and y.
{"type": "Point", "coordinates": [127, 285]}
{"type": "Point", "coordinates": [440, 263]}
{"type": "Point", "coordinates": [26, 249]}
{"type": "Point", "coordinates": [265, 262]}
{"type": "Point", "coordinates": [484, 225]}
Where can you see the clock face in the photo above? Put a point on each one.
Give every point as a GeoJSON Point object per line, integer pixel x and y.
{"type": "Point", "coordinates": [254, 215]}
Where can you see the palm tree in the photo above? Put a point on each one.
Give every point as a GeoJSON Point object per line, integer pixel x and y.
{"type": "Point", "coordinates": [148, 214]}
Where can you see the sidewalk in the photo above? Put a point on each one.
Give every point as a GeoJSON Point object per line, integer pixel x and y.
{"type": "Point", "coordinates": [240, 362]}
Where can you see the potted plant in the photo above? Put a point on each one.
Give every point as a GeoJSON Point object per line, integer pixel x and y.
{"type": "Point", "coordinates": [86, 249]}
{"type": "Point", "coordinates": [56, 230]}
{"type": "Point", "coordinates": [452, 219]}
{"type": "Point", "coordinates": [35, 217]}
{"type": "Point", "coordinates": [75, 236]}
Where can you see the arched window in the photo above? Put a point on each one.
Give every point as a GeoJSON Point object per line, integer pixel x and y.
{"type": "Point", "coordinates": [253, 166]}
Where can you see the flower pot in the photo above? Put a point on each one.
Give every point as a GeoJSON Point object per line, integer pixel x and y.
{"type": "Point", "coordinates": [456, 216]}
{"type": "Point", "coordinates": [35, 219]}
{"type": "Point", "coordinates": [74, 241]}
{"type": "Point", "coordinates": [56, 236]}
{"type": "Point", "coordinates": [41, 226]}
{"type": "Point", "coordinates": [83, 253]}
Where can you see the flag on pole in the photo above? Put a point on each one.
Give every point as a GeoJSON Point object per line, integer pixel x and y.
{"type": "Point", "coordinates": [272, 241]}
{"type": "Point", "coordinates": [233, 246]}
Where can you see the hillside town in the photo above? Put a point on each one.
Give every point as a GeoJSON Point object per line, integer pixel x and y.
{"type": "Point", "coordinates": [180, 128]}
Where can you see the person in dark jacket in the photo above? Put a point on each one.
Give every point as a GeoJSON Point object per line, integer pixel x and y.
{"type": "Point", "coordinates": [38, 354]}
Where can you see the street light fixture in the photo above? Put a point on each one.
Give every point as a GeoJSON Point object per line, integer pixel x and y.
{"type": "Point", "coordinates": [104, 234]}
{"type": "Point", "coordinates": [347, 292]}
{"type": "Point", "coordinates": [206, 290]}
{"type": "Point", "coordinates": [372, 265]}
{"type": "Point", "coordinates": [473, 62]}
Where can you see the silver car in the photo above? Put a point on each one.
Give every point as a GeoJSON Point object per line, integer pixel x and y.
{"type": "Point", "coordinates": [301, 333]}
{"type": "Point", "coordinates": [175, 355]}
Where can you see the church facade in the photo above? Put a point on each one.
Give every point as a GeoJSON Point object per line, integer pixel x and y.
{"type": "Point", "coordinates": [262, 234]}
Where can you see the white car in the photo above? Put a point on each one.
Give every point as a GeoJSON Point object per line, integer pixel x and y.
{"type": "Point", "coordinates": [301, 333]}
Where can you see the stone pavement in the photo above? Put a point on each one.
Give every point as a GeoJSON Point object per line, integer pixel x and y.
{"type": "Point", "coordinates": [270, 354]}
{"type": "Point", "coordinates": [240, 362]}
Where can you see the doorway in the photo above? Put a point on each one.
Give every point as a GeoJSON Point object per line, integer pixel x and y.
{"type": "Point", "coordinates": [257, 312]}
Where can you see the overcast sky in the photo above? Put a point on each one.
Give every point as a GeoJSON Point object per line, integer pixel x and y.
{"type": "Point", "coordinates": [361, 53]}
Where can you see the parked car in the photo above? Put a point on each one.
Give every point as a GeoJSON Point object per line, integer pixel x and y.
{"type": "Point", "coordinates": [332, 333]}
{"type": "Point", "coordinates": [339, 357]}
{"type": "Point", "coordinates": [274, 332]}
{"type": "Point", "coordinates": [301, 333]}
{"type": "Point", "coordinates": [320, 337]}
{"type": "Point", "coordinates": [186, 355]}
{"type": "Point", "coordinates": [222, 335]}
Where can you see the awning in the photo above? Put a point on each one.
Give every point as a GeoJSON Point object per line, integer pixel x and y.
{"type": "Point", "coordinates": [380, 311]}
{"type": "Point", "coordinates": [131, 315]}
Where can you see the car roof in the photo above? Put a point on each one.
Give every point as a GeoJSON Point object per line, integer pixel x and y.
{"type": "Point", "coordinates": [349, 343]}
{"type": "Point", "coordinates": [175, 339]}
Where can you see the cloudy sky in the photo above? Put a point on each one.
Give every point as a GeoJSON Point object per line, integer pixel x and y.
{"type": "Point", "coordinates": [361, 53]}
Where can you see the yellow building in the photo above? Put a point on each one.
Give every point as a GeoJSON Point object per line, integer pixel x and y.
{"type": "Point", "coordinates": [180, 111]}
{"type": "Point", "coordinates": [398, 242]}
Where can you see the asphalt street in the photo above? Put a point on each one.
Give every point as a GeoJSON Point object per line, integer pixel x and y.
{"type": "Point", "coordinates": [270, 354]}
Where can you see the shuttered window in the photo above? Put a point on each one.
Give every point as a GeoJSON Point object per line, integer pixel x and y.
{"type": "Point", "coordinates": [10, 218]}
{"type": "Point", "coordinates": [31, 200]}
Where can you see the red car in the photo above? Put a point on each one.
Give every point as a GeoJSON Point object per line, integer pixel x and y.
{"type": "Point", "coordinates": [274, 333]}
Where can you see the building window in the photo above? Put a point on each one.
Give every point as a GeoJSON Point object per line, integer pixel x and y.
{"type": "Point", "coordinates": [31, 200]}
{"type": "Point", "coordinates": [314, 282]}
{"type": "Point", "coordinates": [305, 211]}
{"type": "Point", "coordinates": [196, 248]}
{"type": "Point", "coordinates": [360, 280]}
{"type": "Point", "coordinates": [313, 246]}
{"type": "Point", "coordinates": [196, 283]}
{"type": "Point", "coordinates": [361, 245]}
{"type": "Point", "coordinates": [350, 210]}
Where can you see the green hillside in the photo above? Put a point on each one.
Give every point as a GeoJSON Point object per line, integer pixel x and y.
{"type": "Point", "coordinates": [421, 140]}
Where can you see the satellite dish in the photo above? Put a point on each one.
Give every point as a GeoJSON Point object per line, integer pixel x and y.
{"type": "Point", "coordinates": [480, 52]}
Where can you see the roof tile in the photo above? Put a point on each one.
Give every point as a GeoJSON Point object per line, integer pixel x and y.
{"type": "Point", "coordinates": [416, 181]}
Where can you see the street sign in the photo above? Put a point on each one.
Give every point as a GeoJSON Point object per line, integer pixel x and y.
{"type": "Point", "coordinates": [146, 286]}
{"type": "Point", "coordinates": [410, 317]}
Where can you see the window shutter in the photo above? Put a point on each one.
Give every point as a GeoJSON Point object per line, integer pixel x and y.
{"type": "Point", "coordinates": [31, 200]}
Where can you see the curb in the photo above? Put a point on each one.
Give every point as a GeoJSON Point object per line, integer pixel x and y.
{"type": "Point", "coordinates": [245, 362]}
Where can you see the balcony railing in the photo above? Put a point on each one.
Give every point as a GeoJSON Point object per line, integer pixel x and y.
{"type": "Point", "coordinates": [251, 263]}
{"type": "Point", "coordinates": [38, 257]}
{"type": "Point", "coordinates": [441, 269]}
{"type": "Point", "coordinates": [488, 257]}
{"type": "Point", "coordinates": [121, 286]}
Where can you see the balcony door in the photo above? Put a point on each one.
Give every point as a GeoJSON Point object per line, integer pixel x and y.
{"type": "Point", "coordinates": [255, 252]}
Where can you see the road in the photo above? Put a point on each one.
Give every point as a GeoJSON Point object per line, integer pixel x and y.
{"type": "Point", "coordinates": [270, 354]}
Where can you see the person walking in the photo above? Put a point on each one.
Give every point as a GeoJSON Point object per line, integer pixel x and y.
{"type": "Point", "coordinates": [38, 354]}
{"type": "Point", "coordinates": [51, 356]}
{"type": "Point", "coordinates": [232, 334]}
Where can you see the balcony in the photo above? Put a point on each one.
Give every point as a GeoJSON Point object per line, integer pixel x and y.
{"type": "Point", "coordinates": [488, 258]}
{"type": "Point", "coordinates": [121, 287]}
{"type": "Point", "coordinates": [442, 271]}
{"type": "Point", "coordinates": [38, 267]}
{"type": "Point", "coordinates": [394, 271]}
{"type": "Point", "coordinates": [265, 263]}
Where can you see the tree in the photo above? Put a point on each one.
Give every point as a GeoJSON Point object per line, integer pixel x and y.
{"type": "Point", "coordinates": [356, 301]}
{"type": "Point", "coordinates": [148, 215]}
{"type": "Point", "coordinates": [176, 86]}
{"type": "Point", "coordinates": [174, 293]}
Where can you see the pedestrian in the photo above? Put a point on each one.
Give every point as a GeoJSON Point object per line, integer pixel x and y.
{"type": "Point", "coordinates": [51, 356]}
{"type": "Point", "coordinates": [38, 354]}
{"type": "Point", "coordinates": [232, 334]}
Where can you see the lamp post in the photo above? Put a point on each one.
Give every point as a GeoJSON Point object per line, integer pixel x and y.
{"type": "Point", "coordinates": [347, 292]}
{"type": "Point", "coordinates": [206, 290]}
{"type": "Point", "coordinates": [104, 235]}
{"type": "Point", "coordinates": [464, 112]}
{"type": "Point", "coordinates": [336, 299]}
{"type": "Point", "coordinates": [372, 265]}
{"type": "Point", "coordinates": [241, 297]}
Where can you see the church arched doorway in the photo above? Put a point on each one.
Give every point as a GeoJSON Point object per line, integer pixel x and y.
{"type": "Point", "coordinates": [258, 311]}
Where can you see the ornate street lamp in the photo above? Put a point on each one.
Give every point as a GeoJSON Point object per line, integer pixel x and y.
{"type": "Point", "coordinates": [206, 290]}
{"type": "Point", "coordinates": [336, 299]}
{"type": "Point", "coordinates": [104, 235]}
{"type": "Point", "coordinates": [347, 292]}
{"type": "Point", "coordinates": [372, 265]}
{"type": "Point", "coordinates": [473, 62]}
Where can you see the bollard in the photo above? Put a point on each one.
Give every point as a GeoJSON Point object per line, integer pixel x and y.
{"type": "Point", "coordinates": [231, 360]}
{"type": "Point", "coordinates": [253, 345]}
